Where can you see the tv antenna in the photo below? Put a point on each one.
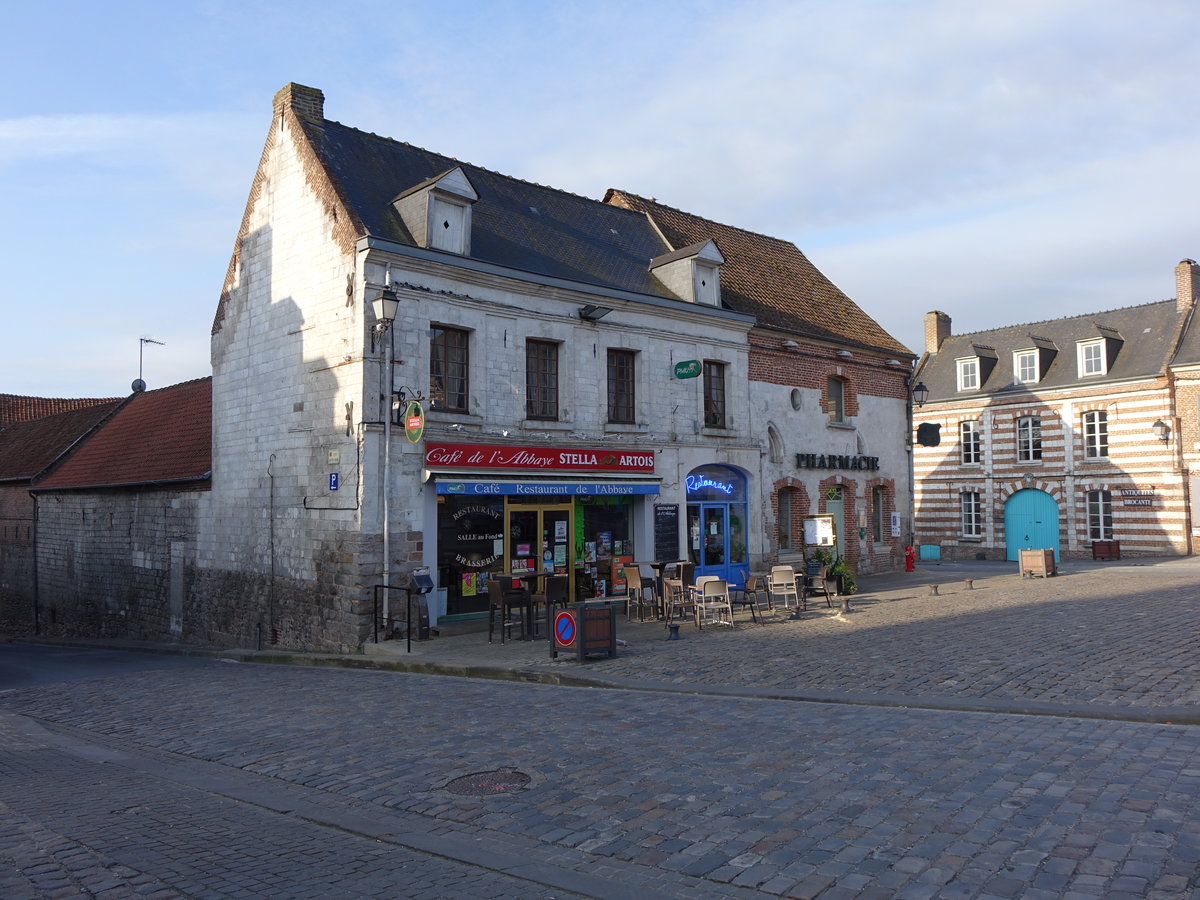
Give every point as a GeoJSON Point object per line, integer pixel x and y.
{"type": "Point", "coordinates": [139, 385]}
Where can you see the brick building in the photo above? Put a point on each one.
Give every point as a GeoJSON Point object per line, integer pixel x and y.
{"type": "Point", "coordinates": [1059, 434]}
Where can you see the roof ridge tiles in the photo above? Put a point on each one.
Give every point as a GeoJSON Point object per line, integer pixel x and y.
{"type": "Point", "coordinates": [462, 162]}
{"type": "Point", "coordinates": [1059, 320]}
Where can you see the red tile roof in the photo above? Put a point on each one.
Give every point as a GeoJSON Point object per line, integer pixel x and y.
{"type": "Point", "coordinates": [14, 408]}
{"type": "Point", "coordinates": [26, 448]}
{"type": "Point", "coordinates": [769, 278]}
{"type": "Point", "coordinates": [158, 436]}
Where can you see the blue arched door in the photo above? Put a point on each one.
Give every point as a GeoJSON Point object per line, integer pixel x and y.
{"type": "Point", "coordinates": [1030, 522]}
{"type": "Point", "coordinates": [717, 522]}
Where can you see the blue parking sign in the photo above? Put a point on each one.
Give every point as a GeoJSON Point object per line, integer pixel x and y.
{"type": "Point", "coordinates": [333, 481]}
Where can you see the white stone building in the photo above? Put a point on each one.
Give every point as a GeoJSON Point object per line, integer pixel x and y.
{"type": "Point", "coordinates": [580, 364]}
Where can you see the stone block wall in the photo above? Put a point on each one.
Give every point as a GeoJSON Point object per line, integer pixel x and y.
{"type": "Point", "coordinates": [114, 564]}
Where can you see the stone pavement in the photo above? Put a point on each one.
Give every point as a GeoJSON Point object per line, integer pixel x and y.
{"type": "Point", "coordinates": [1107, 639]}
{"type": "Point", "coordinates": [711, 780]}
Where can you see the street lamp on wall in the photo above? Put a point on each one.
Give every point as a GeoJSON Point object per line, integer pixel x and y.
{"type": "Point", "coordinates": [920, 394]}
{"type": "Point", "coordinates": [385, 305]}
{"type": "Point", "coordinates": [1161, 430]}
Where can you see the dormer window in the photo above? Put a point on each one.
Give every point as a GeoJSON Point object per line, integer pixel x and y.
{"type": "Point", "coordinates": [692, 273]}
{"type": "Point", "coordinates": [968, 373]}
{"type": "Point", "coordinates": [708, 285]}
{"type": "Point", "coordinates": [973, 371]}
{"type": "Point", "coordinates": [1097, 355]}
{"type": "Point", "coordinates": [1025, 367]}
{"type": "Point", "coordinates": [437, 212]}
{"type": "Point", "coordinates": [1091, 358]}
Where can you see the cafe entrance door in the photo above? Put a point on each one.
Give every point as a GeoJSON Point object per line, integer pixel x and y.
{"type": "Point", "coordinates": [539, 539]}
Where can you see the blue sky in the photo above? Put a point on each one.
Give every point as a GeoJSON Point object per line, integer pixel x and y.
{"type": "Point", "coordinates": [1003, 162]}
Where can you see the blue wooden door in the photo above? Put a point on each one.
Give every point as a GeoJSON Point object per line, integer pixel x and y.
{"type": "Point", "coordinates": [1030, 522]}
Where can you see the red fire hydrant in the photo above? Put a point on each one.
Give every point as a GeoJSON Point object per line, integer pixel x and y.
{"type": "Point", "coordinates": [910, 557]}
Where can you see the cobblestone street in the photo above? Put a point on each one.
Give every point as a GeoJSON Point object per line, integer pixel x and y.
{"type": "Point", "coordinates": [715, 778]}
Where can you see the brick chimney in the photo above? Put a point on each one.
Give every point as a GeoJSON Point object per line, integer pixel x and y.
{"type": "Point", "coordinates": [1187, 284]}
{"type": "Point", "coordinates": [937, 329]}
{"type": "Point", "coordinates": [305, 101]}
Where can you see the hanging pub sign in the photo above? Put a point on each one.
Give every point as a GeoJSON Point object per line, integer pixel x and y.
{"type": "Point", "coordinates": [414, 422]}
{"type": "Point", "coordinates": [689, 368]}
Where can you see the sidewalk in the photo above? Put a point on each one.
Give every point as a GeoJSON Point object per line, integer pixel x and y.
{"type": "Point", "coordinates": [1101, 639]}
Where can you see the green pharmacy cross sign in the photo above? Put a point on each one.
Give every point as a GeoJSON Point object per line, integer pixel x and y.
{"type": "Point", "coordinates": [689, 368]}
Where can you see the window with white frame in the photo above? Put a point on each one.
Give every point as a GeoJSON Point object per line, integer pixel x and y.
{"type": "Point", "coordinates": [969, 436]}
{"type": "Point", "coordinates": [1095, 434]}
{"type": "Point", "coordinates": [972, 514]}
{"type": "Point", "coordinates": [1029, 439]}
{"type": "Point", "coordinates": [1025, 367]}
{"type": "Point", "coordinates": [1099, 512]}
{"type": "Point", "coordinates": [968, 373]}
{"type": "Point", "coordinates": [1091, 358]}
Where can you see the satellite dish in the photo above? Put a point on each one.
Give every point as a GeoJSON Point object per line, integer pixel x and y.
{"type": "Point", "coordinates": [138, 385]}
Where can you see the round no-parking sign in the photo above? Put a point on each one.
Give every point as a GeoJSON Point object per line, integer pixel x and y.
{"type": "Point", "coordinates": [564, 628]}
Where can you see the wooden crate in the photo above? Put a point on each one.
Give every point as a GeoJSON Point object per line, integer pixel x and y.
{"type": "Point", "coordinates": [1037, 562]}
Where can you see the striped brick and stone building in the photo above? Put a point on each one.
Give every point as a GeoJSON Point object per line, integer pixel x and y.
{"type": "Point", "coordinates": [1074, 434]}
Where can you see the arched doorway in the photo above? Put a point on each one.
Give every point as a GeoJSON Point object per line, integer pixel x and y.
{"type": "Point", "coordinates": [716, 516]}
{"type": "Point", "coordinates": [1030, 522]}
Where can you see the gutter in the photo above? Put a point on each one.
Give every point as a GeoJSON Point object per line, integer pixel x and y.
{"type": "Point", "coordinates": [475, 265]}
{"type": "Point", "coordinates": [207, 476]}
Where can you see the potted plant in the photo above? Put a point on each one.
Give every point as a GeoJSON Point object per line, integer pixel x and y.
{"type": "Point", "coordinates": [847, 583]}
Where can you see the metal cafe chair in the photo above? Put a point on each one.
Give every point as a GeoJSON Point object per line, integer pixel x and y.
{"type": "Point", "coordinates": [782, 586]}
{"type": "Point", "coordinates": [713, 600]}
{"type": "Point", "coordinates": [641, 594]}
{"type": "Point", "coordinates": [506, 608]}
{"type": "Point", "coordinates": [747, 596]}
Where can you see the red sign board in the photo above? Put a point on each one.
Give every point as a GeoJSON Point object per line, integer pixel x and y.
{"type": "Point", "coordinates": [558, 459]}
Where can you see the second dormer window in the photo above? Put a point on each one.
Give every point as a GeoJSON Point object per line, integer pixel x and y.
{"type": "Point", "coordinates": [708, 285]}
{"type": "Point", "coordinates": [968, 373]}
{"type": "Point", "coordinates": [1091, 359]}
{"type": "Point", "coordinates": [1025, 367]}
{"type": "Point", "coordinates": [448, 226]}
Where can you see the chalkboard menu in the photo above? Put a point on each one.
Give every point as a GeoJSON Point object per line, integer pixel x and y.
{"type": "Point", "coordinates": [666, 532]}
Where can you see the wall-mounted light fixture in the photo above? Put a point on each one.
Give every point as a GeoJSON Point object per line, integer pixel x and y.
{"type": "Point", "coordinates": [920, 394]}
{"type": "Point", "coordinates": [592, 313]}
{"type": "Point", "coordinates": [844, 354]}
{"type": "Point", "coordinates": [789, 345]}
{"type": "Point", "coordinates": [1161, 430]}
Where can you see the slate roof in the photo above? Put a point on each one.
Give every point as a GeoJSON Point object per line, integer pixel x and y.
{"type": "Point", "coordinates": [162, 436]}
{"type": "Point", "coordinates": [27, 448]}
{"type": "Point", "coordinates": [769, 278]}
{"type": "Point", "coordinates": [549, 232]}
{"type": "Point", "coordinates": [515, 224]}
{"type": "Point", "coordinates": [14, 408]}
{"type": "Point", "coordinates": [1148, 334]}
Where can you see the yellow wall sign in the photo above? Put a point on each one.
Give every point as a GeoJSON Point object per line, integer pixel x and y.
{"type": "Point", "coordinates": [414, 422]}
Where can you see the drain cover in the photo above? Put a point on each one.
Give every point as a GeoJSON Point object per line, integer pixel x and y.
{"type": "Point", "coordinates": [487, 784]}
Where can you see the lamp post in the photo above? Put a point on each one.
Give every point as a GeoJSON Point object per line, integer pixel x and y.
{"type": "Point", "coordinates": [384, 306]}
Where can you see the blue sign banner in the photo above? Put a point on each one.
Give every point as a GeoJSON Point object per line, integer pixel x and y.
{"type": "Point", "coordinates": [333, 481]}
{"type": "Point", "coordinates": [544, 488]}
